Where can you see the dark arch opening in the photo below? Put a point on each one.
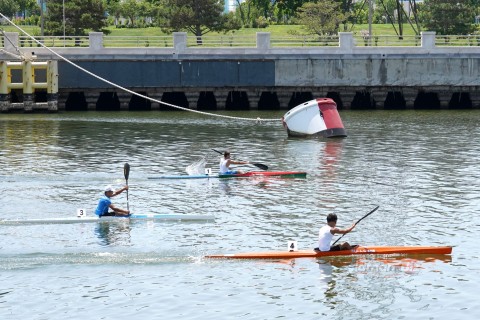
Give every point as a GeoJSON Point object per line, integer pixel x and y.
{"type": "Point", "coordinates": [268, 101]}
{"type": "Point", "coordinates": [16, 96]}
{"type": "Point", "coordinates": [460, 100]}
{"type": "Point", "coordinates": [108, 101]}
{"type": "Point", "coordinates": [139, 104]}
{"type": "Point", "coordinates": [207, 101]}
{"type": "Point", "coordinates": [335, 96]}
{"type": "Point", "coordinates": [40, 96]}
{"type": "Point", "coordinates": [298, 98]}
{"type": "Point", "coordinates": [426, 100]}
{"type": "Point", "coordinates": [363, 100]}
{"type": "Point", "coordinates": [174, 98]}
{"type": "Point", "coordinates": [76, 102]}
{"type": "Point", "coordinates": [394, 101]}
{"type": "Point", "coordinates": [237, 100]}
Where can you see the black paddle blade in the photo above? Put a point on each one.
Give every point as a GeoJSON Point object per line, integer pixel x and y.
{"type": "Point", "coordinates": [126, 170]}
{"type": "Point", "coordinates": [261, 166]}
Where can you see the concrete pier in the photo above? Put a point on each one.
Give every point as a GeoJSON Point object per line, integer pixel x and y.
{"type": "Point", "coordinates": [268, 78]}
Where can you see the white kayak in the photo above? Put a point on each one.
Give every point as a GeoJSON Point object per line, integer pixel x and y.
{"type": "Point", "coordinates": [160, 217]}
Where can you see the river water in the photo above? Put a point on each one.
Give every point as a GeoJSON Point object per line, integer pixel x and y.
{"type": "Point", "coordinates": [420, 167]}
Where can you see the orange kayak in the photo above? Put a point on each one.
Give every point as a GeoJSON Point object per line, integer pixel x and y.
{"type": "Point", "coordinates": [316, 254]}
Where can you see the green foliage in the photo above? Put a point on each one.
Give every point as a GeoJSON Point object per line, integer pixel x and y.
{"type": "Point", "coordinates": [80, 16]}
{"type": "Point", "coordinates": [449, 17]}
{"type": "Point", "coordinates": [321, 18]}
{"type": "Point", "coordinates": [9, 7]}
{"type": "Point", "coordinates": [196, 16]}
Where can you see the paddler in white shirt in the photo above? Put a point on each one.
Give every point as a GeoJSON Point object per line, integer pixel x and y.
{"type": "Point", "coordinates": [225, 163]}
{"type": "Point", "coordinates": [325, 235]}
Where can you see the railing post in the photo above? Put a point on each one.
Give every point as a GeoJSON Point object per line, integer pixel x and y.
{"type": "Point", "coordinates": [263, 41]}
{"type": "Point", "coordinates": [4, 92]}
{"type": "Point", "coordinates": [179, 41]}
{"type": "Point", "coordinates": [95, 40]}
{"type": "Point", "coordinates": [428, 39]}
{"type": "Point", "coordinates": [345, 40]}
{"type": "Point", "coordinates": [52, 85]}
{"type": "Point", "coordinates": [12, 42]}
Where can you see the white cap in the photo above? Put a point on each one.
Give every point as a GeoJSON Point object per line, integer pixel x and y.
{"type": "Point", "coordinates": [109, 188]}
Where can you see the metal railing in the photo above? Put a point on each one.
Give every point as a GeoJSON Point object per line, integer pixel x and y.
{"type": "Point", "coordinates": [387, 41]}
{"type": "Point", "coordinates": [227, 41]}
{"type": "Point", "coordinates": [55, 41]}
{"type": "Point", "coordinates": [457, 41]}
{"type": "Point", "coordinates": [138, 41]}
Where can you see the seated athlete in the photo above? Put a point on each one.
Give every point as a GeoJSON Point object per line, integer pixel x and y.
{"type": "Point", "coordinates": [105, 203]}
{"type": "Point", "coordinates": [225, 163]}
{"type": "Point", "coordinates": [325, 235]}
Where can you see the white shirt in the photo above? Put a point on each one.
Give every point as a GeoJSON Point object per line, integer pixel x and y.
{"type": "Point", "coordinates": [324, 238]}
{"type": "Point", "coordinates": [223, 165]}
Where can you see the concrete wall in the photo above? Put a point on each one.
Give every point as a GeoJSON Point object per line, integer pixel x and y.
{"type": "Point", "coordinates": [346, 68]}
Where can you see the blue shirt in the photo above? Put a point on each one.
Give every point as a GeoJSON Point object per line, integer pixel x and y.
{"type": "Point", "coordinates": [103, 205]}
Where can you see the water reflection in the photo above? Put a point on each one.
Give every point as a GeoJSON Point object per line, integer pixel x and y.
{"type": "Point", "coordinates": [113, 233]}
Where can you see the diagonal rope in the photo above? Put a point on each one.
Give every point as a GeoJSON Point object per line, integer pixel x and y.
{"type": "Point", "coordinates": [130, 91]}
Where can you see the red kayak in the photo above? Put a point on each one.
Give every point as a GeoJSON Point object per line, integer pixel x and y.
{"type": "Point", "coordinates": [282, 174]}
{"type": "Point", "coordinates": [360, 250]}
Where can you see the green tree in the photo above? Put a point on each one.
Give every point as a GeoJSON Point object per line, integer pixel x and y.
{"type": "Point", "coordinates": [80, 16]}
{"type": "Point", "coordinates": [25, 6]}
{"type": "Point", "coordinates": [449, 17]}
{"type": "Point", "coordinates": [113, 8]}
{"type": "Point", "coordinates": [196, 16]}
{"type": "Point", "coordinates": [8, 7]}
{"type": "Point", "coordinates": [321, 18]}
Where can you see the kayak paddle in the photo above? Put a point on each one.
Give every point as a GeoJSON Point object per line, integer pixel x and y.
{"type": "Point", "coordinates": [258, 165]}
{"type": "Point", "coordinates": [126, 173]}
{"type": "Point", "coordinates": [358, 222]}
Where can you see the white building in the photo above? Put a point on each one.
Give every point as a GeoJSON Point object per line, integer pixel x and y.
{"type": "Point", "coordinates": [231, 5]}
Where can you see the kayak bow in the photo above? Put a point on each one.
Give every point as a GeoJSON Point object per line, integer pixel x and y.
{"type": "Point", "coordinates": [316, 254]}
{"type": "Point", "coordinates": [160, 217]}
{"type": "Point", "coordinates": [250, 174]}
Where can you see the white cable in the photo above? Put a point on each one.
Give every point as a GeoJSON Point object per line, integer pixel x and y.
{"type": "Point", "coordinates": [128, 90]}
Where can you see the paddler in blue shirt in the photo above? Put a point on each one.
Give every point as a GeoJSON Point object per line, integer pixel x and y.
{"type": "Point", "coordinates": [325, 235]}
{"type": "Point", "coordinates": [105, 203]}
{"type": "Point", "coordinates": [225, 163]}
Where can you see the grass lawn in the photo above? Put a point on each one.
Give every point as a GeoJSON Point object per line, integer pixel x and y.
{"type": "Point", "coordinates": [275, 30]}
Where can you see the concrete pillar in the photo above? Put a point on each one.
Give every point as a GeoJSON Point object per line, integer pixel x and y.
{"type": "Point", "coordinates": [4, 77]}
{"type": "Point", "coordinates": [253, 99]}
{"type": "Point", "coordinates": [192, 98]}
{"type": "Point", "coordinates": [11, 43]}
{"type": "Point", "coordinates": [52, 102]}
{"type": "Point", "coordinates": [179, 42]}
{"type": "Point", "coordinates": [263, 41]}
{"type": "Point", "coordinates": [409, 94]}
{"type": "Point", "coordinates": [346, 40]}
{"type": "Point", "coordinates": [221, 96]}
{"type": "Point", "coordinates": [156, 94]}
{"type": "Point", "coordinates": [124, 99]}
{"type": "Point", "coordinates": [428, 39]}
{"type": "Point", "coordinates": [4, 102]}
{"type": "Point", "coordinates": [28, 77]}
{"type": "Point", "coordinates": [27, 102]}
{"type": "Point", "coordinates": [444, 97]}
{"type": "Point", "coordinates": [95, 40]}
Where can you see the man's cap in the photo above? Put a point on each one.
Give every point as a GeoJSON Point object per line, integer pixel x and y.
{"type": "Point", "coordinates": [109, 188]}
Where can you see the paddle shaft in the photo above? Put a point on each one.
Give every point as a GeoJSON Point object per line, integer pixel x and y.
{"type": "Point", "coordinates": [126, 173]}
{"type": "Point", "coordinates": [358, 222]}
{"type": "Point", "coordinates": [258, 165]}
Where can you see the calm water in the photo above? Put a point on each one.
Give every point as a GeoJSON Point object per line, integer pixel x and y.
{"type": "Point", "coordinates": [420, 167]}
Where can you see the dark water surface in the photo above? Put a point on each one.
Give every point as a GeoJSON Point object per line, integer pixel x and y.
{"type": "Point", "coordinates": [420, 167]}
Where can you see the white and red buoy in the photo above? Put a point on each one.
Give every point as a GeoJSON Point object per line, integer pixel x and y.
{"type": "Point", "coordinates": [317, 117]}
